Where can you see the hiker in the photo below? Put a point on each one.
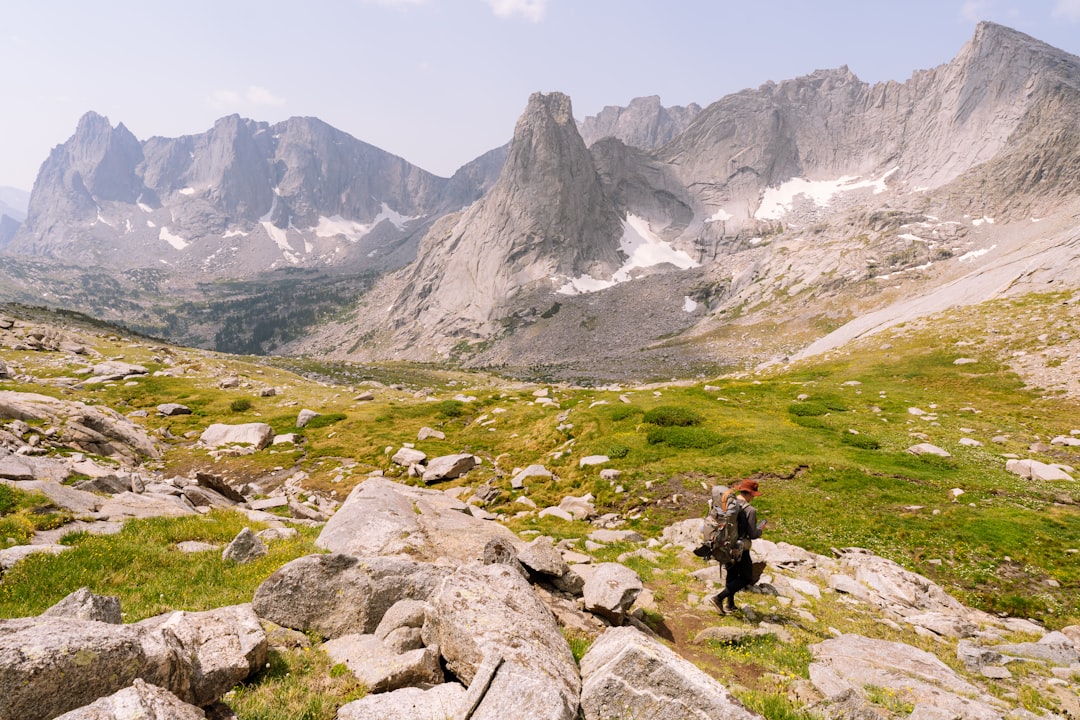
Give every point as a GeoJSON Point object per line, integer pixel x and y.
{"type": "Point", "coordinates": [740, 570]}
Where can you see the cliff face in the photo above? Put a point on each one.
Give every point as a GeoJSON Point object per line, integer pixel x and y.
{"type": "Point", "coordinates": [644, 123]}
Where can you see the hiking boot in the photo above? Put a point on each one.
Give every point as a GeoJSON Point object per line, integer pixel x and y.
{"type": "Point", "coordinates": [729, 607]}
{"type": "Point", "coordinates": [715, 600]}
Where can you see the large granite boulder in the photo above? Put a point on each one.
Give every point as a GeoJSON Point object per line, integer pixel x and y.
{"type": "Point", "coordinates": [626, 674]}
{"type": "Point", "coordinates": [437, 703]}
{"type": "Point", "coordinates": [257, 435]}
{"type": "Point", "coordinates": [850, 663]}
{"type": "Point", "coordinates": [448, 467]}
{"type": "Point", "coordinates": [894, 587]}
{"type": "Point", "coordinates": [140, 701]}
{"type": "Point", "coordinates": [382, 517]}
{"type": "Point", "coordinates": [491, 611]}
{"type": "Point", "coordinates": [86, 605]}
{"type": "Point", "coordinates": [610, 590]}
{"type": "Point", "coordinates": [337, 594]}
{"type": "Point", "coordinates": [52, 665]}
{"type": "Point", "coordinates": [382, 669]}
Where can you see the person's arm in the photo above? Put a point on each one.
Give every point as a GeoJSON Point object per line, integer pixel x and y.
{"type": "Point", "coordinates": [753, 527]}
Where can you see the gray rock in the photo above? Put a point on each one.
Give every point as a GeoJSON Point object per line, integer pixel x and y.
{"type": "Point", "coordinates": [303, 512]}
{"type": "Point", "coordinates": [853, 662]}
{"type": "Point", "coordinates": [427, 433]}
{"type": "Point", "coordinates": [1035, 470]}
{"type": "Point", "coordinates": [626, 674]}
{"type": "Point", "coordinates": [173, 409]}
{"type": "Point", "coordinates": [205, 497]}
{"type": "Point", "coordinates": [893, 586]}
{"type": "Point", "coordinates": [381, 517]}
{"type": "Point", "coordinates": [580, 508]}
{"type": "Point", "coordinates": [244, 548]}
{"type": "Point", "coordinates": [686, 534]}
{"type": "Point", "coordinates": [305, 417]}
{"type": "Point", "coordinates": [268, 503]}
{"type": "Point", "coordinates": [257, 435]}
{"type": "Point", "coordinates": [448, 467]}
{"type": "Point", "coordinates": [64, 496]}
{"type": "Point", "coordinates": [117, 368]}
{"type": "Point", "coordinates": [11, 555]}
{"type": "Point", "coordinates": [533, 471]}
{"type": "Point", "coordinates": [219, 485]}
{"type": "Point", "coordinates": [402, 614]}
{"type": "Point", "coordinates": [611, 590]}
{"type": "Point", "coordinates": [615, 536]}
{"type": "Point", "coordinates": [86, 605]}
{"type": "Point", "coordinates": [502, 552]}
{"type": "Point", "coordinates": [547, 564]}
{"type": "Point", "coordinates": [195, 656]}
{"type": "Point", "coordinates": [590, 460]}
{"type": "Point", "coordinates": [337, 595]}
{"type": "Point", "coordinates": [490, 610]}
{"type": "Point", "coordinates": [403, 639]}
{"type": "Point", "coordinates": [110, 484]}
{"type": "Point", "coordinates": [195, 546]}
{"type": "Point", "coordinates": [140, 701]}
{"type": "Point", "coordinates": [437, 703]}
{"type": "Point", "coordinates": [928, 449]}
{"type": "Point", "coordinates": [944, 624]}
{"type": "Point", "coordinates": [134, 505]}
{"type": "Point", "coordinates": [407, 457]}
{"type": "Point", "coordinates": [380, 668]}
{"type": "Point", "coordinates": [974, 657]}
{"type": "Point", "coordinates": [1054, 648]}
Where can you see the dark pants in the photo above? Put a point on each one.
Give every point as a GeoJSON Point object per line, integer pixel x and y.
{"type": "Point", "coordinates": [740, 574]}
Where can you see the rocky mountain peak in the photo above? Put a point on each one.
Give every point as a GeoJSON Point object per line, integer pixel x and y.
{"type": "Point", "coordinates": [645, 123]}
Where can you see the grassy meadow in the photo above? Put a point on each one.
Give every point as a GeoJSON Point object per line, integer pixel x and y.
{"type": "Point", "coordinates": [826, 438]}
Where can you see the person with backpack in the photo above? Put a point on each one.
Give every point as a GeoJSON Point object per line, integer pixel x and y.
{"type": "Point", "coordinates": [737, 559]}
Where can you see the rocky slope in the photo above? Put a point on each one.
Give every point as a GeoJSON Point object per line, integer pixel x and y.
{"type": "Point", "coordinates": [644, 123]}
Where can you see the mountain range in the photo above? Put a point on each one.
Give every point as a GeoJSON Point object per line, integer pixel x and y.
{"type": "Point", "coordinates": [643, 242]}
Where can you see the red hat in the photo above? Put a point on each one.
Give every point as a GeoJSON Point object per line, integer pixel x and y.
{"type": "Point", "coordinates": [748, 486]}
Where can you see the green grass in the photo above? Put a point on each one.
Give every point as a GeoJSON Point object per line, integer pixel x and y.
{"type": "Point", "coordinates": [298, 684]}
{"type": "Point", "coordinates": [142, 566]}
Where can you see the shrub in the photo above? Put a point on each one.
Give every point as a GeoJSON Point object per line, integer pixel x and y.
{"type": "Point", "coordinates": [451, 408]}
{"type": "Point", "coordinates": [240, 405]}
{"type": "Point", "coordinates": [860, 441]}
{"type": "Point", "coordinates": [807, 409]}
{"type": "Point", "coordinates": [613, 450]}
{"type": "Point", "coordinates": [684, 437]}
{"type": "Point", "coordinates": [810, 422]}
{"type": "Point", "coordinates": [672, 416]}
{"type": "Point", "coordinates": [621, 412]}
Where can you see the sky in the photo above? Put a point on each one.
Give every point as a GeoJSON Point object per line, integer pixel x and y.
{"type": "Point", "coordinates": [439, 82]}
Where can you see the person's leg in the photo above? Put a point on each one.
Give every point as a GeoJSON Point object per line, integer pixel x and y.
{"type": "Point", "coordinates": [739, 576]}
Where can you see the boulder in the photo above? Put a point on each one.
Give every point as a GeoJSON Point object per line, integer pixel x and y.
{"type": "Point", "coordinates": [437, 703]}
{"type": "Point", "coordinates": [173, 409]}
{"type": "Point", "coordinates": [134, 505]}
{"type": "Point", "coordinates": [852, 662]}
{"type": "Point", "coordinates": [626, 674]}
{"type": "Point", "coordinates": [257, 435]}
{"type": "Point", "coordinates": [109, 484]}
{"type": "Point", "coordinates": [546, 563]}
{"type": "Point", "coordinates": [1054, 648]}
{"type": "Point", "coordinates": [86, 605]}
{"type": "Point", "coordinates": [140, 701]}
{"type": "Point", "coordinates": [337, 594]}
{"type": "Point", "coordinates": [427, 433]}
{"type": "Point", "coordinates": [195, 656]}
{"type": "Point", "coordinates": [1035, 470]}
{"type": "Point", "coordinates": [407, 457]}
{"type": "Point", "coordinates": [117, 368]}
{"type": "Point", "coordinates": [490, 611]}
{"type": "Point", "coordinates": [244, 548]}
{"type": "Point", "coordinates": [205, 497]}
{"type": "Point", "coordinates": [533, 471]}
{"type": "Point", "coordinates": [78, 501]}
{"type": "Point", "coordinates": [91, 428]}
{"type": "Point", "coordinates": [219, 485]}
{"type": "Point", "coordinates": [686, 534]}
{"type": "Point", "coordinates": [448, 467]}
{"type": "Point", "coordinates": [402, 614]}
{"type": "Point", "coordinates": [381, 517]}
{"type": "Point", "coordinates": [590, 460]}
{"type": "Point", "coordinates": [216, 649]}
{"type": "Point", "coordinates": [380, 668]}
{"type": "Point", "coordinates": [616, 536]}
{"type": "Point", "coordinates": [928, 449]}
{"type": "Point", "coordinates": [893, 586]}
{"type": "Point", "coordinates": [611, 590]}
{"type": "Point", "coordinates": [305, 417]}
{"type": "Point", "coordinates": [579, 508]}
{"type": "Point", "coordinates": [11, 555]}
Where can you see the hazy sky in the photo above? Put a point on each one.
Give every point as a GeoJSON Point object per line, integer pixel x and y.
{"type": "Point", "coordinates": [439, 82]}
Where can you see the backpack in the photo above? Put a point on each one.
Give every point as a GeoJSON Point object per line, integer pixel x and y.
{"type": "Point", "coordinates": [720, 528]}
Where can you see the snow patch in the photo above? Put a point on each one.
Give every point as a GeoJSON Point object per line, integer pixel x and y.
{"type": "Point", "coordinates": [909, 236]}
{"type": "Point", "coordinates": [975, 254]}
{"type": "Point", "coordinates": [689, 305]}
{"type": "Point", "coordinates": [101, 219]}
{"type": "Point", "coordinates": [150, 224]}
{"type": "Point", "coordinates": [145, 208]}
{"type": "Point", "coordinates": [281, 239]}
{"type": "Point", "coordinates": [353, 231]}
{"type": "Point", "coordinates": [128, 227]}
{"type": "Point", "coordinates": [175, 240]}
{"type": "Point", "coordinates": [187, 191]}
{"type": "Point", "coordinates": [720, 215]}
{"type": "Point", "coordinates": [780, 200]}
{"type": "Point", "coordinates": [233, 233]}
{"type": "Point", "coordinates": [642, 247]}
{"type": "Point", "coordinates": [979, 221]}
